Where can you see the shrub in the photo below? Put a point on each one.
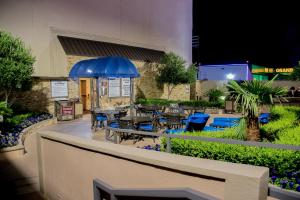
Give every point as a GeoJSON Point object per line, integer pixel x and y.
{"type": "Point", "coordinates": [164, 102]}
{"type": "Point", "coordinates": [4, 110]}
{"type": "Point", "coordinates": [279, 160]}
{"type": "Point", "coordinates": [214, 95]}
{"type": "Point", "coordinates": [282, 118]}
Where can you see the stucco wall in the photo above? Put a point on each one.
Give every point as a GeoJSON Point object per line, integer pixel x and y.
{"type": "Point", "coordinates": [162, 25]}
{"type": "Point", "coordinates": [64, 176]}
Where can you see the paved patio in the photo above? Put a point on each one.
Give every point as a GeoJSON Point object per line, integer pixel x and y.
{"type": "Point", "coordinates": [82, 128]}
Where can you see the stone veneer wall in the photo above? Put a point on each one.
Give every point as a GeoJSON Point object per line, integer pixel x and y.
{"type": "Point", "coordinates": [144, 85]}
{"type": "Point", "coordinates": [39, 98]}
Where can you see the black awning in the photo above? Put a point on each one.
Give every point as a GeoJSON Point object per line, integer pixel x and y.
{"type": "Point", "coordinates": [92, 48]}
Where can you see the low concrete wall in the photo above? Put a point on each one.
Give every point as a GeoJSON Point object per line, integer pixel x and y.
{"type": "Point", "coordinates": [68, 166]}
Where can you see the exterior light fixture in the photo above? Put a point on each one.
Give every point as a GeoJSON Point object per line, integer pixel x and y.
{"type": "Point", "coordinates": [89, 71]}
{"type": "Point", "coordinates": [230, 76]}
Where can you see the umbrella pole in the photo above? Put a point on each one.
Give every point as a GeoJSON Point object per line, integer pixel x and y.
{"type": "Point", "coordinates": [92, 93]}
{"type": "Point", "coordinates": [97, 92]}
{"type": "Point", "coordinates": [131, 95]}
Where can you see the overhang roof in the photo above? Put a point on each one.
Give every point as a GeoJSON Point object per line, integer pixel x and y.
{"type": "Point", "coordinates": [92, 48]}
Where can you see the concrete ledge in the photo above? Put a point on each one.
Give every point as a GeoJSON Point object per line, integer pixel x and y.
{"type": "Point", "coordinates": [241, 181]}
{"type": "Point", "coordinates": [280, 193]}
{"type": "Point", "coordinates": [33, 128]}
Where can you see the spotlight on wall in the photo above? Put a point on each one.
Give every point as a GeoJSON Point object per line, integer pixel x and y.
{"type": "Point", "coordinates": [230, 76]}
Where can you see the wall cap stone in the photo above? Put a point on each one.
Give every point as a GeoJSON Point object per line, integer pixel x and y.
{"type": "Point", "coordinates": [201, 166]}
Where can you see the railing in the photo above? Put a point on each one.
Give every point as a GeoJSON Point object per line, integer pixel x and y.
{"type": "Point", "coordinates": [117, 132]}
{"type": "Point", "coordinates": [104, 191]}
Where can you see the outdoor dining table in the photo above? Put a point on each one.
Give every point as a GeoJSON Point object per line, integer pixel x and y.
{"type": "Point", "coordinates": [136, 119]}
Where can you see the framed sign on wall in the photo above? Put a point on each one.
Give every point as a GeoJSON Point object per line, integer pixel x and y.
{"type": "Point", "coordinates": [59, 89]}
{"type": "Point", "coordinates": [125, 87]}
{"type": "Point", "coordinates": [114, 87]}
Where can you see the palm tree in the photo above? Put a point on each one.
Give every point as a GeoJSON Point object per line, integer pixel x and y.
{"type": "Point", "coordinates": [250, 95]}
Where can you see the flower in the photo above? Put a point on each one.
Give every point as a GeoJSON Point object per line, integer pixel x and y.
{"type": "Point", "coordinates": [283, 183]}
{"type": "Point", "coordinates": [291, 184]}
{"type": "Point", "coordinates": [273, 178]}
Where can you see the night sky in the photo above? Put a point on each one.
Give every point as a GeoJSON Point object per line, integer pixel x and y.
{"type": "Point", "coordinates": [234, 32]}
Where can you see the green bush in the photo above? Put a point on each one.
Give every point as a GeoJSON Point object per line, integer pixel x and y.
{"type": "Point", "coordinates": [279, 160]}
{"type": "Point", "coordinates": [289, 136]}
{"type": "Point", "coordinates": [214, 95]}
{"type": "Point", "coordinates": [283, 120]}
{"type": "Point", "coordinates": [17, 119]}
{"type": "Point", "coordinates": [165, 102]}
{"type": "Point", "coordinates": [4, 110]}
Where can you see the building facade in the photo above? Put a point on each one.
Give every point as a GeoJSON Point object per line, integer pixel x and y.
{"type": "Point", "coordinates": [160, 26]}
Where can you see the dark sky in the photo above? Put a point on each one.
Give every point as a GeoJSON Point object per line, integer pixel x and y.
{"type": "Point", "coordinates": [263, 32]}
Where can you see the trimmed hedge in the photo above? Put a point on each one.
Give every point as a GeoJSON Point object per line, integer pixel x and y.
{"type": "Point", "coordinates": [284, 126]}
{"type": "Point", "coordinates": [281, 161]}
{"type": "Point", "coordinates": [165, 102]}
{"type": "Point", "coordinates": [286, 130]}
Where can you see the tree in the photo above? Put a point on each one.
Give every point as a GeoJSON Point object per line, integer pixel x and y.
{"type": "Point", "coordinates": [172, 72]}
{"type": "Point", "coordinates": [250, 95]}
{"type": "Point", "coordinates": [16, 65]}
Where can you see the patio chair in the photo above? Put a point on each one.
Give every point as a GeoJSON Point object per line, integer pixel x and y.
{"type": "Point", "coordinates": [196, 122]}
{"type": "Point", "coordinates": [100, 118]}
{"type": "Point", "coordinates": [126, 125]}
{"type": "Point", "coordinates": [150, 127]}
{"type": "Point", "coordinates": [225, 122]}
{"type": "Point", "coordinates": [264, 118]}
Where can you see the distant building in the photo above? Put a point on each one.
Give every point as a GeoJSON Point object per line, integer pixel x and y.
{"type": "Point", "coordinates": [224, 72]}
{"type": "Point", "coordinates": [267, 73]}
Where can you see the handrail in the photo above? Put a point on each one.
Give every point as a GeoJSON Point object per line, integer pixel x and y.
{"type": "Point", "coordinates": [201, 138]}
{"type": "Point", "coordinates": [100, 187]}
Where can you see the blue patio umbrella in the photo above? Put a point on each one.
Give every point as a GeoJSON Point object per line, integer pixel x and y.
{"type": "Point", "coordinates": [105, 67]}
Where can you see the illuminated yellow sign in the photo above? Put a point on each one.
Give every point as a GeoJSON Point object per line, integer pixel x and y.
{"type": "Point", "coordinates": [273, 70]}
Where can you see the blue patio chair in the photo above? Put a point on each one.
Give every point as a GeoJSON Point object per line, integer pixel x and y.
{"type": "Point", "coordinates": [224, 122]}
{"type": "Point", "coordinates": [100, 118]}
{"type": "Point", "coordinates": [195, 122]}
{"type": "Point", "coordinates": [264, 118]}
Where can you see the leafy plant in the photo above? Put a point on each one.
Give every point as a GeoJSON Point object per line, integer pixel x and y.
{"type": "Point", "coordinates": [165, 102]}
{"type": "Point", "coordinates": [279, 160]}
{"type": "Point", "coordinates": [16, 65]}
{"type": "Point", "coordinates": [250, 95]}
{"type": "Point", "coordinates": [172, 72]}
{"type": "Point", "coordinates": [283, 126]}
{"type": "Point", "coordinates": [4, 110]}
{"type": "Point", "coordinates": [295, 75]}
{"type": "Point", "coordinates": [214, 95]}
